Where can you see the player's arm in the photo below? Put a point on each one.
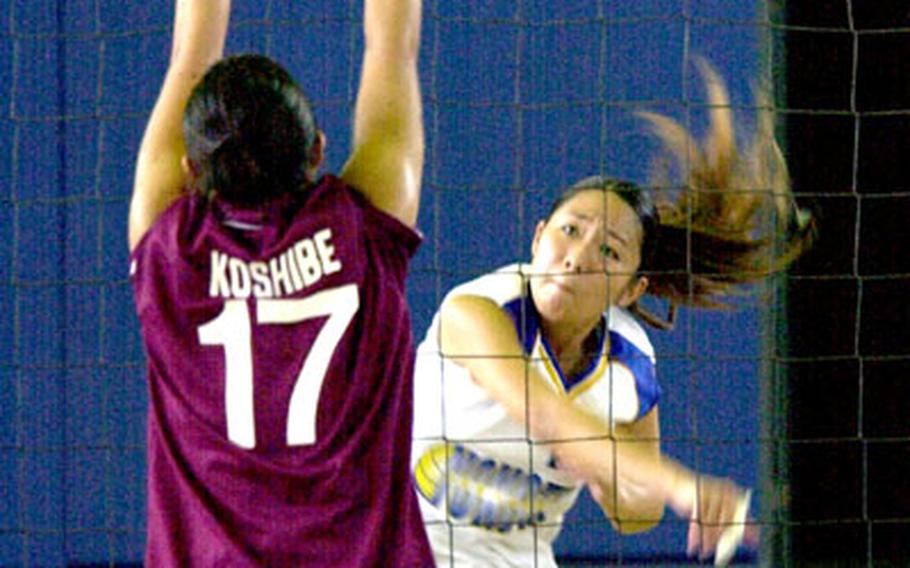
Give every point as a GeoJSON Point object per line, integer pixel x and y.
{"type": "Point", "coordinates": [387, 152]}
{"type": "Point", "coordinates": [633, 508]}
{"type": "Point", "coordinates": [478, 335]}
{"type": "Point", "coordinates": [200, 27]}
{"type": "Point", "coordinates": [640, 508]}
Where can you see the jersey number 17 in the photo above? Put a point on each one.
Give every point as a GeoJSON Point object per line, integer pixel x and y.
{"type": "Point", "coordinates": [232, 330]}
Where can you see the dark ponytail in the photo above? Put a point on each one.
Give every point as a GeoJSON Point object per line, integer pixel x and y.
{"type": "Point", "coordinates": [249, 131]}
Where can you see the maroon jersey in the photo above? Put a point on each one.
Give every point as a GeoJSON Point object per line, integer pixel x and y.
{"type": "Point", "coordinates": [280, 364]}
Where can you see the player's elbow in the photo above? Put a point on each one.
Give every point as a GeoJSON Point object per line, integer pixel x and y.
{"type": "Point", "coordinates": [638, 523]}
{"type": "Point", "coordinates": [633, 516]}
{"type": "Point", "coordinates": [635, 527]}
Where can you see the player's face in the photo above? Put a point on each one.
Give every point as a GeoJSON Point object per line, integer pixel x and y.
{"type": "Point", "coordinates": [585, 257]}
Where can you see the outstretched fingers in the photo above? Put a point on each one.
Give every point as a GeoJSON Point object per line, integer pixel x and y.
{"type": "Point", "coordinates": [719, 521]}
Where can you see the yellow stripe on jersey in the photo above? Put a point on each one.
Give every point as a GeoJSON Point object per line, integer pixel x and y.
{"type": "Point", "coordinates": [552, 373]}
{"type": "Point", "coordinates": [591, 379]}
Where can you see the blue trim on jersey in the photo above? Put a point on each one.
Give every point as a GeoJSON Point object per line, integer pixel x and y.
{"type": "Point", "coordinates": [526, 319]}
{"type": "Point", "coordinates": [624, 351]}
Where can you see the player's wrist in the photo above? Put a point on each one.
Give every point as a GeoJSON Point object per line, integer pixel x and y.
{"type": "Point", "coordinates": [682, 492]}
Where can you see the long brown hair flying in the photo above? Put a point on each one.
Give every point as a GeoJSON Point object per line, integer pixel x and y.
{"type": "Point", "coordinates": [730, 220]}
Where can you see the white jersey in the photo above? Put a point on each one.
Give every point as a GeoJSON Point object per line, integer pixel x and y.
{"type": "Point", "coordinates": [505, 495]}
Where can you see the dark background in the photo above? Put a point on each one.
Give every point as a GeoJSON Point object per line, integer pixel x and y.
{"type": "Point", "coordinates": [847, 361]}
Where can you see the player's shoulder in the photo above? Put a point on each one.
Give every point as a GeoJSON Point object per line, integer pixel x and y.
{"type": "Point", "coordinates": [503, 285]}
{"type": "Point", "coordinates": [330, 192]}
{"type": "Point", "coordinates": [632, 358]}
{"type": "Point", "coordinates": [623, 324]}
{"type": "Point", "coordinates": [177, 217]}
{"type": "Point", "coordinates": [349, 201]}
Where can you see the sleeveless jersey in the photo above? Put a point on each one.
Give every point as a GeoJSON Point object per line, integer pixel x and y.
{"type": "Point", "coordinates": [280, 362]}
{"type": "Point", "coordinates": [506, 497]}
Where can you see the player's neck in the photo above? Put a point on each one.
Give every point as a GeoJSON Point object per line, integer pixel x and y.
{"type": "Point", "coordinates": [575, 350]}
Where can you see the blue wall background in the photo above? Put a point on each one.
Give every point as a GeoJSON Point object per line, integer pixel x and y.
{"type": "Point", "coordinates": [521, 99]}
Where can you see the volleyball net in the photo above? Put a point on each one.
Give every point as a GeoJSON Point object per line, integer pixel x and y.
{"type": "Point", "coordinates": [522, 98]}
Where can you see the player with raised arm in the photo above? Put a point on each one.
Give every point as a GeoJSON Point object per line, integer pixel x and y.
{"type": "Point", "coordinates": [537, 379]}
{"type": "Point", "coordinates": [272, 306]}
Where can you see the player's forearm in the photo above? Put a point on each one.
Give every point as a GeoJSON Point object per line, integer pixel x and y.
{"type": "Point", "coordinates": [393, 25]}
{"type": "Point", "coordinates": [584, 446]}
{"type": "Point", "coordinates": [200, 29]}
{"type": "Point", "coordinates": [633, 517]}
{"type": "Point", "coordinates": [478, 335]}
{"type": "Point", "coordinates": [630, 506]}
